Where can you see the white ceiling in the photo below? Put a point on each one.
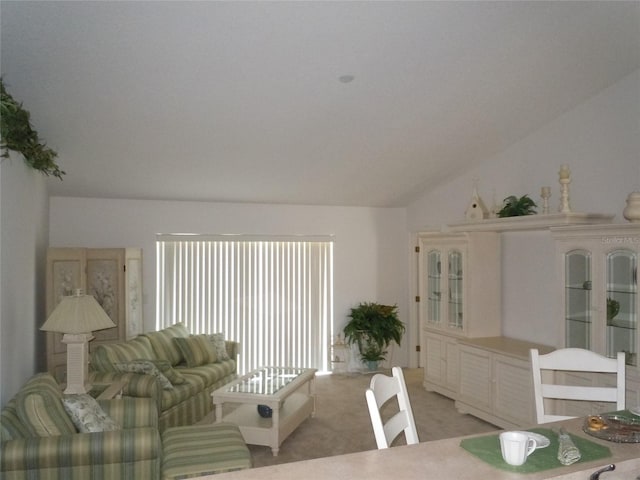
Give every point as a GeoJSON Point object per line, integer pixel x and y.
{"type": "Point", "coordinates": [242, 101]}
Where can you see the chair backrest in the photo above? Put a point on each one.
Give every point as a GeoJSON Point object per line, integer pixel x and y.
{"type": "Point", "coordinates": [575, 360]}
{"type": "Point", "coordinates": [381, 390]}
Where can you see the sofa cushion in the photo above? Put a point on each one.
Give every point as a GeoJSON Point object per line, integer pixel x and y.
{"type": "Point", "coordinates": [199, 450]}
{"type": "Point", "coordinates": [87, 415]}
{"type": "Point", "coordinates": [43, 414]}
{"type": "Point", "coordinates": [163, 345]}
{"type": "Point", "coordinates": [105, 356]}
{"type": "Point", "coordinates": [146, 367]}
{"type": "Point", "coordinates": [197, 350]}
{"type": "Point", "coordinates": [170, 398]}
{"type": "Point", "coordinates": [212, 373]}
{"type": "Point", "coordinates": [219, 345]}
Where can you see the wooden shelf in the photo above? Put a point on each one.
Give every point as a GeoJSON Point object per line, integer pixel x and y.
{"type": "Point", "coordinates": [531, 222]}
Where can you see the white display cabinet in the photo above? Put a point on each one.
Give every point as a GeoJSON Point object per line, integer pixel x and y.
{"type": "Point", "coordinates": [599, 301]}
{"type": "Point", "coordinates": [598, 272]}
{"type": "Point", "coordinates": [459, 285]}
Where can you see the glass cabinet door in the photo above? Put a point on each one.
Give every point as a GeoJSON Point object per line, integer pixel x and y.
{"type": "Point", "coordinates": [434, 287]}
{"type": "Point", "coordinates": [621, 301]}
{"type": "Point", "coordinates": [578, 317]}
{"type": "Point", "coordinates": [455, 276]}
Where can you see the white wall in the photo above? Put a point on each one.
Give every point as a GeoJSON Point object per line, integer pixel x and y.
{"type": "Point", "coordinates": [600, 141]}
{"type": "Point", "coordinates": [23, 242]}
{"type": "Point", "coordinates": [370, 260]}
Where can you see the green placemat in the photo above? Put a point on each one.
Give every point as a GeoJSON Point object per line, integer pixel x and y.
{"type": "Point", "coordinates": [487, 448]}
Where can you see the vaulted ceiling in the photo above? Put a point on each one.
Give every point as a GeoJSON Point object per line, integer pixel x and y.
{"type": "Point", "coordinates": [334, 103]}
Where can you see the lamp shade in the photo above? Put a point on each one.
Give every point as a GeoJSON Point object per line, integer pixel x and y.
{"type": "Point", "coordinates": [77, 314]}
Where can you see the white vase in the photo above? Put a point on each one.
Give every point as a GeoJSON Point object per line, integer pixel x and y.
{"type": "Point", "coordinates": [632, 210]}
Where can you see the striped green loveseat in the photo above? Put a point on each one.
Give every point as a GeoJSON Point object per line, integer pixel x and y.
{"type": "Point", "coordinates": [39, 441]}
{"type": "Point", "coordinates": [200, 365]}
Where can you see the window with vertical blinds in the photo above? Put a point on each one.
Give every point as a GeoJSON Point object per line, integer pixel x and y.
{"type": "Point", "coordinates": [273, 295]}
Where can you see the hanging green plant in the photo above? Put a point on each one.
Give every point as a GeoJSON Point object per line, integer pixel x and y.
{"type": "Point", "coordinates": [18, 135]}
{"type": "Point", "coordinates": [515, 207]}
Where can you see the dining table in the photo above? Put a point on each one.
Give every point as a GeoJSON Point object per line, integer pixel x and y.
{"type": "Point", "coordinates": [458, 459]}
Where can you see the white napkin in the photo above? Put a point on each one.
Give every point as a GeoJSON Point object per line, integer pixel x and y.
{"type": "Point", "coordinates": [568, 453]}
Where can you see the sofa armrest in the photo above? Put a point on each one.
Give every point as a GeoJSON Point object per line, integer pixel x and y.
{"type": "Point", "coordinates": [132, 412]}
{"type": "Point", "coordinates": [65, 451]}
{"type": "Point", "coordinates": [135, 385]}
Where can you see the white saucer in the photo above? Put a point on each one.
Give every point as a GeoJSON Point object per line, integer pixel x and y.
{"type": "Point", "coordinates": [541, 440]}
{"type": "Point", "coordinates": [635, 411]}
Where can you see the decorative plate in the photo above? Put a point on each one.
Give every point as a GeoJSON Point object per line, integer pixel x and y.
{"type": "Point", "coordinates": [613, 427]}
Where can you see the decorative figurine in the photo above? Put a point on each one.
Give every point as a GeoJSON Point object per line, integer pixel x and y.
{"type": "Point", "coordinates": [632, 211]}
{"type": "Point", "coordinates": [476, 209]}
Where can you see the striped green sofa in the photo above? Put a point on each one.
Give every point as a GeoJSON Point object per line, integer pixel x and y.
{"type": "Point", "coordinates": [185, 356]}
{"type": "Point", "coordinates": [38, 440]}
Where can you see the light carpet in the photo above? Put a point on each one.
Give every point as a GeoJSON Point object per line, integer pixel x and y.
{"type": "Point", "coordinates": [341, 423]}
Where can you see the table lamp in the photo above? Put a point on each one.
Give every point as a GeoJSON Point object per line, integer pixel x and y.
{"type": "Point", "coordinates": [77, 316]}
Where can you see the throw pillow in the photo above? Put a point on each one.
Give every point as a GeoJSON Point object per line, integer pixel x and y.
{"type": "Point", "coordinates": [197, 350]}
{"type": "Point", "coordinates": [106, 355]}
{"type": "Point", "coordinates": [43, 414]}
{"type": "Point", "coordinates": [145, 367]}
{"type": "Point", "coordinates": [168, 371]}
{"type": "Point", "coordinates": [163, 345]}
{"type": "Point", "coordinates": [219, 345]}
{"type": "Point", "coordinates": [87, 415]}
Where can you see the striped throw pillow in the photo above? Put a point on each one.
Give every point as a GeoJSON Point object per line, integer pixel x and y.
{"type": "Point", "coordinates": [197, 350]}
{"type": "Point", "coordinates": [163, 344]}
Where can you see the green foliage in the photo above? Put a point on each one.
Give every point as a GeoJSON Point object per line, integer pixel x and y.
{"type": "Point", "coordinates": [373, 327]}
{"type": "Point", "coordinates": [515, 207]}
{"type": "Point", "coordinates": [613, 308]}
{"type": "Point", "coordinates": [18, 135]}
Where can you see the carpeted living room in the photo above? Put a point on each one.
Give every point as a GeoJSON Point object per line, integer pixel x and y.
{"type": "Point", "coordinates": [342, 424]}
{"type": "Point", "coordinates": [224, 181]}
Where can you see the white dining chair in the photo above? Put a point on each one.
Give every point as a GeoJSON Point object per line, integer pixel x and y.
{"type": "Point", "coordinates": [382, 389]}
{"type": "Point", "coordinates": [575, 360]}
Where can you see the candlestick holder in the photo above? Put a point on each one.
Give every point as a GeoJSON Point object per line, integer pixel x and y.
{"type": "Point", "coordinates": [565, 180]}
{"type": "Point", "coordinates": [545, 193]}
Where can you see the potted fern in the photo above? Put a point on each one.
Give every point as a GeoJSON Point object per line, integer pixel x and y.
{"type": "Point", "coordinates": [372, 328]}
{"type": "Point", "coordinates": [516, 207]}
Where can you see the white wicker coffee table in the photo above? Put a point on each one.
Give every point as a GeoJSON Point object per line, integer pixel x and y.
{"type": "Point", "coordinates": [289, 392]}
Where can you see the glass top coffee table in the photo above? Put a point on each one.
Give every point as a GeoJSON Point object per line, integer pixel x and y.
{"type": "Point", "coordinates": [289, 393]}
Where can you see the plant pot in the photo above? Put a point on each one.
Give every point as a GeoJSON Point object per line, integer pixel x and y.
{"type": "Point", "coordinates": [372, 365]}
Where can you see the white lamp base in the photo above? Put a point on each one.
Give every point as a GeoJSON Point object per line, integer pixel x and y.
{"type": "Point", "coordinates": [77, 362]}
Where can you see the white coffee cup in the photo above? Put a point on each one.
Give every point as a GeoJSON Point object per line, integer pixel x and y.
{"type": "Point", "coordinates": [516, 447]}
